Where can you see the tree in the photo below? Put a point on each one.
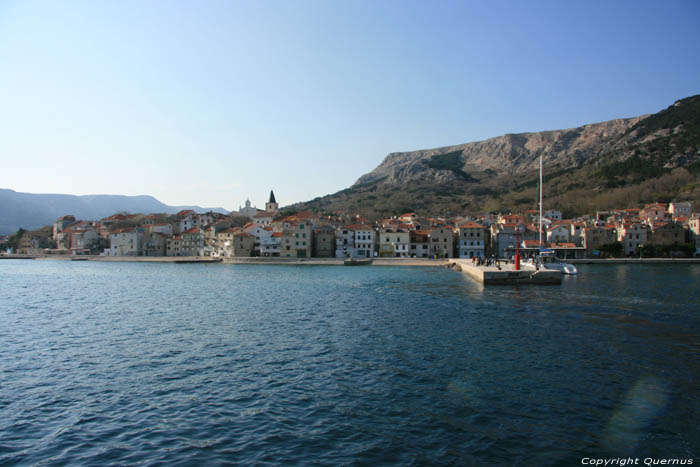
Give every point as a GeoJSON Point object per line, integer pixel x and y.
{"type": "Point", "coordinates": [611, 249]}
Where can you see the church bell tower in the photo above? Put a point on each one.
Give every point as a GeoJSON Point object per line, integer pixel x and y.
{"type": "Point", "coordinates": [272, 205]}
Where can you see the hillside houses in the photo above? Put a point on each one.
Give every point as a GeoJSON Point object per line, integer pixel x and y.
{"type": "Point", "coordinates": [654, 229]}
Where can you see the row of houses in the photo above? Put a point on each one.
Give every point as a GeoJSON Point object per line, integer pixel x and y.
{"type": "Point", "coordinates": [305, 234]}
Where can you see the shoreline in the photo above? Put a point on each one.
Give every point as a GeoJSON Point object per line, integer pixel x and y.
{"type": "Point", "coordinates": [322, 261]}
{"type": "Point", "coordinates": [242, 260]}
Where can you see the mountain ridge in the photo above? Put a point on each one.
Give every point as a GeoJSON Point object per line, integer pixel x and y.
{"type": "Point", "coordinates": [34, 210]}
{"type": "Point", "coordinates": [627, 161]}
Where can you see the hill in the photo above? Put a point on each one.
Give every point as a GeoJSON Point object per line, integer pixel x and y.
{"type": "Point", "coordinates": [618, 163]}
{"type": "Point", "coordinates": [30, 211]}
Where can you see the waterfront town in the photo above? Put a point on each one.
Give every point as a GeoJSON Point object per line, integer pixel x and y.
{"type": "Point", "coordinates": [655, 230]}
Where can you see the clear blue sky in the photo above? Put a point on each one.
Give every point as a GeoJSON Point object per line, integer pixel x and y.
{"type": "Point", "coordinates": [212, 102]}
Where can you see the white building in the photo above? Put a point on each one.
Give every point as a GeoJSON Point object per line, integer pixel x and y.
{"type": "Point", "coordinates": [344, 242]}
{"type": "Point", "coordinates": [261, 235]}
{"type": "Point", "coordinates": [552, 214]}
{"type": "Point", "coordinates": [248, 210]}
{"type": "Point", "coordinates": [363, 241]}
{"type": "Point", "coordinates": [680, 209]}
{"type": "Point", "coordinates": [559, 234]}
{"type": "Point", "coordinates": [394, 243]}
{"type": "Point", "coordinates": [472, 238]}
{"type": "Point", "coordinates": [272, 245]}
{"type": "Point", "coordinates": [632, 236]}
{"type": "Point", "coordinates": [125, 242]}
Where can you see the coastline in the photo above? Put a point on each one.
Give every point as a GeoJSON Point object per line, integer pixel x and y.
{"type": "Point", "coordinates": [423, 262]}
{"type": "Point", "coordinates": [322, 261]}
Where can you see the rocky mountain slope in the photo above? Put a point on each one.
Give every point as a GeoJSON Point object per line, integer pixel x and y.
{"type": "Point", "coordinates": [601, 165]}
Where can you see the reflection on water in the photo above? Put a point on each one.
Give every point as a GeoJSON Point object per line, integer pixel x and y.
{"type": "Point", "coordinates": [631, 419]}
{"type": "Point", "coordinates": [147, 363]}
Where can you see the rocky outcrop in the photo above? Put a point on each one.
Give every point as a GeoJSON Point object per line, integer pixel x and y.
{"type": "Point", "coordinates": [506, 155]}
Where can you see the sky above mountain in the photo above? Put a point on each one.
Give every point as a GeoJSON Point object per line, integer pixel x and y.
{"type": "Point", "coordinates": [214, 102]}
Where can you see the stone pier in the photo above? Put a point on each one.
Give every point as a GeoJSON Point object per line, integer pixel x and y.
{"type": "Point", "coordinates": [506, 275]}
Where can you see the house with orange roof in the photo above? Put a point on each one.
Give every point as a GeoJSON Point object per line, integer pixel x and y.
{"type": "Point", "coordinates": [653, 212]}
{"type": "Point", "coordinates": [60, 224]}
{"type": "Point", "coordinates": [263, 218]}
{"type": "Point", "coordinates": [193, 242]}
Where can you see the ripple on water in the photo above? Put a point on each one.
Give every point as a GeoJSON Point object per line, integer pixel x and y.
{"type": "Point", "coordinates": [155, 363]}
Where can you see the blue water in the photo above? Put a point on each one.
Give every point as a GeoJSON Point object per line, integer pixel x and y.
{"type": "Point", "coordinates": [188, 364]}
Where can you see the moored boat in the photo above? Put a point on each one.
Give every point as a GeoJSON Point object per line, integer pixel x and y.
{"type": "Point", "coordinates": [547, 260]}
{"type": "Point", "coordinates": [357, 262]}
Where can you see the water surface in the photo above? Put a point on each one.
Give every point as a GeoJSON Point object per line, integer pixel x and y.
{"type": "Point", "coordinates": [128, 363]}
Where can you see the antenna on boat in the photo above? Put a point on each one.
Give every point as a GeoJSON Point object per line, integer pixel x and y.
{"type": "Point", "coordinates": [540, 200]}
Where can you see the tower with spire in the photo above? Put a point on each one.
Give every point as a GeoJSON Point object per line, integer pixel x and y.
{"type": "Point", "coordinates": [272, 205]}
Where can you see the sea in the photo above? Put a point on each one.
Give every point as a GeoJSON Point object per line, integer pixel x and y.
{"type": "Point", "coordinates": [215, 364]}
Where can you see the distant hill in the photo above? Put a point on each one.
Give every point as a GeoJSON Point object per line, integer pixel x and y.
{"type": "Point", "coordinates": [29, 211]}
{"type": "Point", "coordinates": [618, 163]}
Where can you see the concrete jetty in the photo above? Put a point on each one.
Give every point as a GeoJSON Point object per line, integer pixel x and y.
{"type": "Point", "coordinates": [507, 275]}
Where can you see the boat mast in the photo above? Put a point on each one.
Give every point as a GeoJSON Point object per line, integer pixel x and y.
{"type": "Point", "coordinates": [540, 200]}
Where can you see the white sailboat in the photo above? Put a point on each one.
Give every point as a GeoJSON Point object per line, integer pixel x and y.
{"type": "Point", "coordinates": [546, 258]}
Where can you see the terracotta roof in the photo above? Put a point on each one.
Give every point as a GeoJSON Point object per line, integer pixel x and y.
{"type": "Point", "coordinates": [562, 245]}
{"type": "Point", "coordinates": [532, 243]}
{"type": "Point", "coordinates": [242, 234]}
{"type": "Point", "coordinates": [192, 230]}
{"type": "Point", "coordinates": [357, 227]}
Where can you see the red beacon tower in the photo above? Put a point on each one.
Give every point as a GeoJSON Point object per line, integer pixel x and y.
{"type": "Point", "coordinates": [517, 248]}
